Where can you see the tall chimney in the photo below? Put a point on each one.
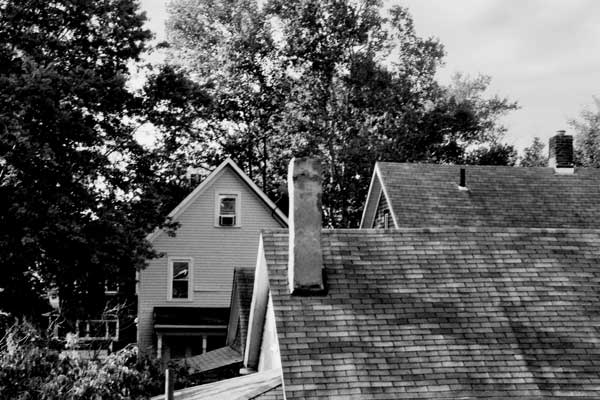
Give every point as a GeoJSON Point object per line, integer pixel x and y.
{"type": "Point", "coordinates": [305, 266]}
{"type": "Point", "coordinates": [560, 155]}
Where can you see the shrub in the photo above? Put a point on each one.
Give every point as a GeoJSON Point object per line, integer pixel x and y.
{"type": "Point", "coordinates": [31, 370]}
{"type": "Point", "coordinates": [33, 367]}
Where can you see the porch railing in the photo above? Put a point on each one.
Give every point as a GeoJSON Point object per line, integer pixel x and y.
{"type": "Point", "coordinates": [98, 329]}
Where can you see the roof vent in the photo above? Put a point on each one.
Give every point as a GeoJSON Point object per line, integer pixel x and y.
{"type": "Point", "coordinates": [561, 153]}
{"type": "Point", "coordinates": [462, 185]}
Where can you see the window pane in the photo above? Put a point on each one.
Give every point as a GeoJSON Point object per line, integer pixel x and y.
{"type": "Point", "coordinates": [112, 329]}
{"type": "Point", "coordinates": [180, 270]}
{"type": "Point", "coordinates": [227, 206]}
{"type": "Point", "coordinates": [180, 289]}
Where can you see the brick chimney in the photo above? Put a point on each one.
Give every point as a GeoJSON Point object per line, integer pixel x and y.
{"type": "Point", "coordinates": [305, 266]}
{"type": "Point", "coordinates": [561, 153]}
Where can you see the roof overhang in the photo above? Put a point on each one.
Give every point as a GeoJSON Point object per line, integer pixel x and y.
{"type": "Point", "coordinates": [177, 319]}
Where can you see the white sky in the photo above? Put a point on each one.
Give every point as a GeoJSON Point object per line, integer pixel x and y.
{"type": "Point", "coordinates": [545, 54]}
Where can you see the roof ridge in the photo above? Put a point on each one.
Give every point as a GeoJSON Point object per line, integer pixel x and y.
{"type": "Point", "coordinates": [517, 167]}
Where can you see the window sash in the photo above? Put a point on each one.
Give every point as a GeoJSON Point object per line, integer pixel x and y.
{"type": "Point", "coordinates": [228, 210]}
{"type": "Point", "coordinates": [228, 205]}
{"type": "Point", "coordinates": [180, 271]}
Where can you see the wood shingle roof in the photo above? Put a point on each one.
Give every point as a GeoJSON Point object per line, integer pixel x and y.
{"type": "Point", "coordinates": [438, 313]}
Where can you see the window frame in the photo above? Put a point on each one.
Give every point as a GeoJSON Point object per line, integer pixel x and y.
{"type": "Point", "coordinates": [238, 209]}
{"type": "Point", "coordinates": [190, 279]}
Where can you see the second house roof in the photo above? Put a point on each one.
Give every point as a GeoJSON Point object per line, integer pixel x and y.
{"type": "Point", "coordinates": [428, 195]}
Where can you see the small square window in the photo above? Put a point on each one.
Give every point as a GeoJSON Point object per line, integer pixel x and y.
{"type": "Point", "coordinates": [180, 282]}
{"type": "Point", "coordinates": [228, 212]}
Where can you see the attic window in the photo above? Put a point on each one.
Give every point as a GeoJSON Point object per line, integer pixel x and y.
{"type": "Point", "coordinates": [228, 210]}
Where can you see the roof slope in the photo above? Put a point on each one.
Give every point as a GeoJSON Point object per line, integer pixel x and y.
{"type": "Point", "coordinates": [428, 195]}
{"type": "Point", "coordinates": [210, 360]}
{"type": "Point", "coordinates": [254, 386]}
{"type": "Point", "coordinates": [443, 313]}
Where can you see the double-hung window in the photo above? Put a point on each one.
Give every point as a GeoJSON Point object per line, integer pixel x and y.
{"type": "Point", "coordinates": [228, 210]}
{"type": "Point", "coordinates": [180, 279]}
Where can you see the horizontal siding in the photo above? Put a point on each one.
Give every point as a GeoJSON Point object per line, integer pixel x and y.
{"type": "Point", "coordinates": [382, 209]}
{"type": "Point", "coordinates": [216, 251]}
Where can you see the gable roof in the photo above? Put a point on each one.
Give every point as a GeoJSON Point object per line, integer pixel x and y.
{"type": "Point", "coordinates": [421, 195]}
{"type": "Point", "coordinates": [206, 183]}
{"type": "Point", "coordinates": [443, 313]}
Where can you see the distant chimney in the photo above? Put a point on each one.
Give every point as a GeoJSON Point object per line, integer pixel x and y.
{"type": "Point", "coordinates": [305, 266]}
{"type": "Point", "coordinates": [561, 153]}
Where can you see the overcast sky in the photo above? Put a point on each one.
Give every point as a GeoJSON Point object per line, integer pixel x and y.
{"type": "Point", "coordinates": [545, 54]}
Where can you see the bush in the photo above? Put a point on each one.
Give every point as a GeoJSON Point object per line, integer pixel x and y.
{"type": "Point", "coordinates": [31, 370]}
{"type": "Point", "coordinates": [33, 367]}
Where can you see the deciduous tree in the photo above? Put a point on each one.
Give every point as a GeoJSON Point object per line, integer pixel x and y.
{"type": "Point", "coordinates": [77, 191]}
{"type": "Point", "coordinates": [534, 156]}
{"type": "Point", "coordinates": [333, 79]}
{"type": "Point", "coordinates": [587, 136]}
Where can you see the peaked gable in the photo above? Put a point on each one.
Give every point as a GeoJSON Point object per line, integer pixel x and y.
{"type": "Point", "coordinates": [421, 195]}
{"type": "Point", "coordinates": [208, 182]}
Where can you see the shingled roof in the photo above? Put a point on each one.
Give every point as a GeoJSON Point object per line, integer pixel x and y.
{"type": "Point", "coordinates": [443, 313]}
{"type": "Point", "coordinates": [422, 195]}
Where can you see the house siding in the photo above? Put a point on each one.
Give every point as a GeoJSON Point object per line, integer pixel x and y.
{"type": "Point", "coordinates": [382, 209]}
{"type": "Point", "coordinates": [215, 251]}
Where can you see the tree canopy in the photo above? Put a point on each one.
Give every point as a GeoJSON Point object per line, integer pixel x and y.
{"type": "Point", "coordinates": [534, 155]}
{"type": "Point", "coordinates": [77, 191]}
{"type": "Point", "coordinates": [345, 81]}
{"type": "Point", "coordinates": [587, 136]}
{"type": "Point", "coordinates": [333, 79]}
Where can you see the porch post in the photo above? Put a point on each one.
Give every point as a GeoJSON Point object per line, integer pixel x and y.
{"type": "Point", "coordinates": [159, 345]}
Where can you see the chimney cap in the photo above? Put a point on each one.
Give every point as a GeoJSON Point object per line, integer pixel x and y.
{"type": "Point", "coordinates": [560, 132]}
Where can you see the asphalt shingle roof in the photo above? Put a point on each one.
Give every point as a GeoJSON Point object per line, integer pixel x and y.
{"type": "Point", "coordinates": [424, 195]}
{"type": "Point", "coordinates": [443, 313]}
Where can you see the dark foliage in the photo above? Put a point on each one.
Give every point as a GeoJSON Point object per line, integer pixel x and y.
{"type": "Point", "coordinates": [78, 193]}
